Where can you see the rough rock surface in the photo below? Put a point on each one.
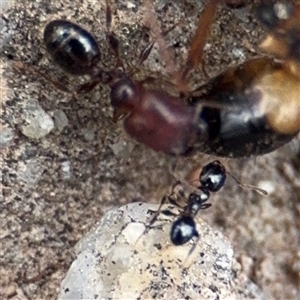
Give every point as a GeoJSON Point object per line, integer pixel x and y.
{"type": "Point", "coordinates": [116, 261]}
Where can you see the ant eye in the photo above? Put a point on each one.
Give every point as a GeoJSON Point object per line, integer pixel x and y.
{"type": "Point", "coordinates": [122, 93]}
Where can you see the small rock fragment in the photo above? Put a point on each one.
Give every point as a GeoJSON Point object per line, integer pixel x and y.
{"type": "Point", "coordinates": [30, 172]}
{"type": "Point", "coordinates": [60, 120]}
{"type": "Point", "coordinates": [6, 136]}
{"type": "Point", "coordinates": [39, 123]}
{"type": "Point", "coordinates": [66, 170]}
{"type": "Point", "coordinates": [89, 135]}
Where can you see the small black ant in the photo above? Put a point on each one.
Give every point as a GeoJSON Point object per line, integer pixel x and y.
{"type": "Point", "coordinates": [211, 179]}
{"type": "Point", "coordinates": [251, 109]}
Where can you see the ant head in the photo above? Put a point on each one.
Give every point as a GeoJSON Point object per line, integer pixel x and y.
{"type": "Point", "coordinates": [123, 94]}
{"type": "Point", "coordinates": [272, 14]}
{"type": "Point", "coordinates": [183, 230]}
{"type": "Point", "coordinates": [282, 20]}
{"type": "Point", "coordinates": [213, 176]}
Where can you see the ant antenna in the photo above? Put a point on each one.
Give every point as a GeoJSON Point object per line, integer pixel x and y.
{"type": "Point", "coordinates": [248, 186]}
{"type": "Point", "coordinates": [112, 41]}
{"type": "Point", "coordinates": [165, 52]}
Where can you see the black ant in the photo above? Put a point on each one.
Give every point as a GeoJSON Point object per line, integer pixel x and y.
{"type": "Point", "coordinates": [249, 110]}
{"type": "Point", "coordinates": [211, 179]}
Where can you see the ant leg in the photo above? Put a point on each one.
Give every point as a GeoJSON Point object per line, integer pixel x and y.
{"type": "Point", "coordinates": [145, 54]}
{"type": "Point", "coordinates": [171, 198]}
{"type": "Point", "coordinates": [108, 16]}
{"type": "Point", "coordinates": [198, 42]}
{"type": "Point", "coordinates": [101, 77]}
{"type": "Point", "coordinates": [147, 50]}
{"type": "Point", "coordinates": [87, 86]}
{"type": "Point", "coordinates": [156, 214]}
{"type": "Point", "coordinates": [177, 190]}
{"type": "Point", "coordinates": [22, 67]}
{"type": "Point", "coordinates": [154, 218]}
{"type": "Point", "coordinates": [243, 185]}
{"type": "Point", "coordinates": [142, 57]}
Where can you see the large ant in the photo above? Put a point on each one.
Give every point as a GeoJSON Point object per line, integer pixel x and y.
{"type": "Point", "coordinates": [249, 110]}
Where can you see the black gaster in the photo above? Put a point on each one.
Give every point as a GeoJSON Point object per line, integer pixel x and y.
{"type": "Point", "coordinates": [72, 48]}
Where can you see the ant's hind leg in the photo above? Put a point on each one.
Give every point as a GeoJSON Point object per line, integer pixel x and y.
{"type": "Point", "coordinates": [153, 219]}
{"type": "Point", "coordinates": [25, 68]}
{"type": "Point", "coordinates": [172, 198]}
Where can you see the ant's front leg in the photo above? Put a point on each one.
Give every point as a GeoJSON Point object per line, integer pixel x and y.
{"type": "Point", "coordinates": [102, 77]}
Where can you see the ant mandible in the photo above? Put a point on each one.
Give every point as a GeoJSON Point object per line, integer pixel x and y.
{"type": "Point", "coordinates": [249, 110]}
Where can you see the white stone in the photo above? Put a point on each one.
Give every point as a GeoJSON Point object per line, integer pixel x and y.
{"type": "Point", "coordinates": [117, 261]}
{"type": "Point", "coordinates": [38, 122]}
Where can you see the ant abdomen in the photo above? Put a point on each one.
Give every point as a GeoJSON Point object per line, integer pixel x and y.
{"type": "Point", "coordinates": [254, 116]}
{"type": "Point", "coordinates": [72, 48]}
{"type": "Point", "coordinates": [183, 230]}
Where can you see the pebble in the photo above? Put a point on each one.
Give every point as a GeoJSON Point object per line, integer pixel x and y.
{"type": "Point", "coordinates": [6, 136]}
{"type": "Point", "coordinates": [115, 260]}
{"type": "Point", "coordinates": [60, 120]}
{"type": "Point", "coordinates": [39, 123]}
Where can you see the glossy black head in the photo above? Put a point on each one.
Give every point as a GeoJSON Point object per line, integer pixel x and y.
{"type": "Point", "coordinates": [183, 230]}
{"type": "Point", "coordinates": [72, 48]}
{"type": "Point", "coordinates": [213, 176]}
